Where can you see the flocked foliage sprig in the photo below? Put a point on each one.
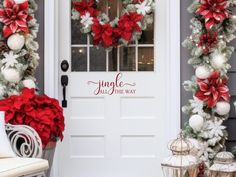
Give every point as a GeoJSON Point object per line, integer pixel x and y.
{"type": "Point", "coordinates": [18, 46]}
{"type": "Point", "coordinates": [213, 26]}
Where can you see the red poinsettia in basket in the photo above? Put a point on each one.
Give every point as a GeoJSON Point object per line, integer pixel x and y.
{"type": "Point", "coordinates": [41, 112]}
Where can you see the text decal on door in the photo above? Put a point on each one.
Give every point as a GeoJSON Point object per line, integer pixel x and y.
{"type": "Point", "coordinates": [115, 87]}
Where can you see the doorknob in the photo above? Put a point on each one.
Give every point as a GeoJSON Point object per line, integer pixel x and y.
{"type": "Point", "coordinates": [64, 83]}
{"type": "Point", "coordinates": [64, 65]}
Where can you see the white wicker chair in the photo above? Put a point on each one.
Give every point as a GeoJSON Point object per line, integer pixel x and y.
{"type": "Point", "coordinates": [27, 145]}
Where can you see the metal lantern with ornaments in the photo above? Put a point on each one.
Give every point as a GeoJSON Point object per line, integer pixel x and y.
{"type": "Point", "coordinates": [180, 163]}
{"type": "Point", "coordinates": [224, 165]}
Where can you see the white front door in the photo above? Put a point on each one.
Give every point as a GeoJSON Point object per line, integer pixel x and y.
{"type": "Point", "coordinates": [117, 122]}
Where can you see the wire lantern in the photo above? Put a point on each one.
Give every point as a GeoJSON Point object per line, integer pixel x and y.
{"type": "Point", "coordinates": [181, 163]}
{"type": "Point", "coordinates": [224, 165]}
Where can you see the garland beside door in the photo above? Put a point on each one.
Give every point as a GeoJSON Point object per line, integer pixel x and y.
{"type": "Point", "coordinates": [213, 25]}
{"type": "Point", "coordinates": [18, 46]}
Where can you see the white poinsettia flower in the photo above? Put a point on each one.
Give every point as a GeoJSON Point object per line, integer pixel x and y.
{"type": "Point", "coordinates": [144, 8]}
{"type": "Point", "coordinates": [216, 128]}
{"type": "Point", "coordinates": [204, 151]}
{"type": "Point", "coordinates": [10, 59]}
{"type": "Point", "coordinates": [197, 105]}
{"type": "Point", "coordinates": [86, 20]}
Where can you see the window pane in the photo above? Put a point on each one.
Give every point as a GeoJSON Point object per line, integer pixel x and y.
{"type": "Point", "coordinates": [79, 59]}
{"type": "Point", "coordinates": [102, 6]}
{"type": "Point", "coordinates": [146, 59]}
{"type": "Point", "coordinates": [147, 36]}
{"type": "Point", "coordinates": [127, 59]}
{"type": "Point", "coordinates": [113, 60]}
{"type": "Point", "coordinates": [76, 36]}
{"type": "Point", "coordinates": [97, 59]}
{"type": "Point", "coordinates": [112, 9]}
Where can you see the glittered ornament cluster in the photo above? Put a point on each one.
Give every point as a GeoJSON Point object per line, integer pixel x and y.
{"type": "Point", "coordinates": [136, 16]}
{"type": "Point", "coordinates": [18, 46]}
{"type": "Point", "coordinates": [213, 26]}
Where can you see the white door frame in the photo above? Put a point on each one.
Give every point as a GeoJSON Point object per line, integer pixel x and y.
{"type": "Point", "coordinates": [51, 62]}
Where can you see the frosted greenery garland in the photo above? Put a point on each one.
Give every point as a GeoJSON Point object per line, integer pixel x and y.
{"type": "Point", "coordinates": [27, 58]}
{"type": "Point", "coordinates": [212, 134]}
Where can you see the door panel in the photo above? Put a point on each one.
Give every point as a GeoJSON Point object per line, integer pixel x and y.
{"type": "Point", "coordinates": [116, 124]}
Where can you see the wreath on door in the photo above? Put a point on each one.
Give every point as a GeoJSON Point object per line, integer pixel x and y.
{"type": "Point", "coordinates": [135, 17]}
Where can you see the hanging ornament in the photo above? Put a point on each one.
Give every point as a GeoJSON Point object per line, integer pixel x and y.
{"type": "Point", "coordinates": [222, 108]}
{"type": "Point", "coordinates": [11, 75]}
{"type": "Point", "coordinates": [218, 60]}
{"type": "Point", "coordinates": [16, 42]}
{"type": "Point", "coordinates": [196, 122]}
{"type": "Point", "coordinates": [202, 72]}
{"type": "Point", "coordinates": [29, 83]}
{"type": "Point", "coordinates": [20, 1]}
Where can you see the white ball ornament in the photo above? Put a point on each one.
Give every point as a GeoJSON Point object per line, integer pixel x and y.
{"type": "Point", "coordinates": [11, 75]}
{"type": "Point", "coordinates": [202, 72]}
{"type": "Point", "coordinates": [196, 122]}
{"type": "Point", "coordinates": [29, 83]}
{"type": "Point", "coordinates": [222, 108]}
{"type": "Point", "coordinates": [16, 42]}
{"type": "Point", "coordinates": [218, 61]}
{"type": "Point", "coordinates": [20, 1]}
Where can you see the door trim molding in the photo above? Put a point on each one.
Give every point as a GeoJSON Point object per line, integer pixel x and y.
{"type": "Point", "coordinates": [174, 45]}
{"type": "Point", "coordinates": [51, 58]}
{"type": "Point", "coordinates": [51, 62]}
{"type": "Point", "coordinates": [51, 48]}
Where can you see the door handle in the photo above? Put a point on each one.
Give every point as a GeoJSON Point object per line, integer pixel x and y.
{"type": "Point", "coordinates": [64, 83]}
{"type": "Point", "coordinates": [64, 65]}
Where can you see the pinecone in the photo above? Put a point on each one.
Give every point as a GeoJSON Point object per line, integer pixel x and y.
{"type": "Point", "coordinates": [3, 48]}
{"type": "Point", "coordinates": [27, 56]}
{"type": "Point", "coordinates": [29, 71]}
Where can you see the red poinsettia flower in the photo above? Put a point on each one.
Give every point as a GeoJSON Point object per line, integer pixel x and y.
{"type": "Point", "coordinates": [14, 17]}
{"type": "Point", "coordinates": [102, 34]}
{"type": "Point", "coordinates": [214, 11]}
{"type": "Point", "coordinates": [42, 113]}
{"type": "Point", "coordinates": [137, 1]}
{"type": "Point", "coordinates": [213, 89]}
{"type": "Point", "coordinates": [208, 41]}
{"type": "Point", "coordinates": [86, 6]}
{"type": "Point", "coordinates": [128, 23]}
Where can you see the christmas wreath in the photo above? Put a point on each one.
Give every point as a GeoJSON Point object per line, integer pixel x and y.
{"type": "Point", "coordinates": [136, 15]}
